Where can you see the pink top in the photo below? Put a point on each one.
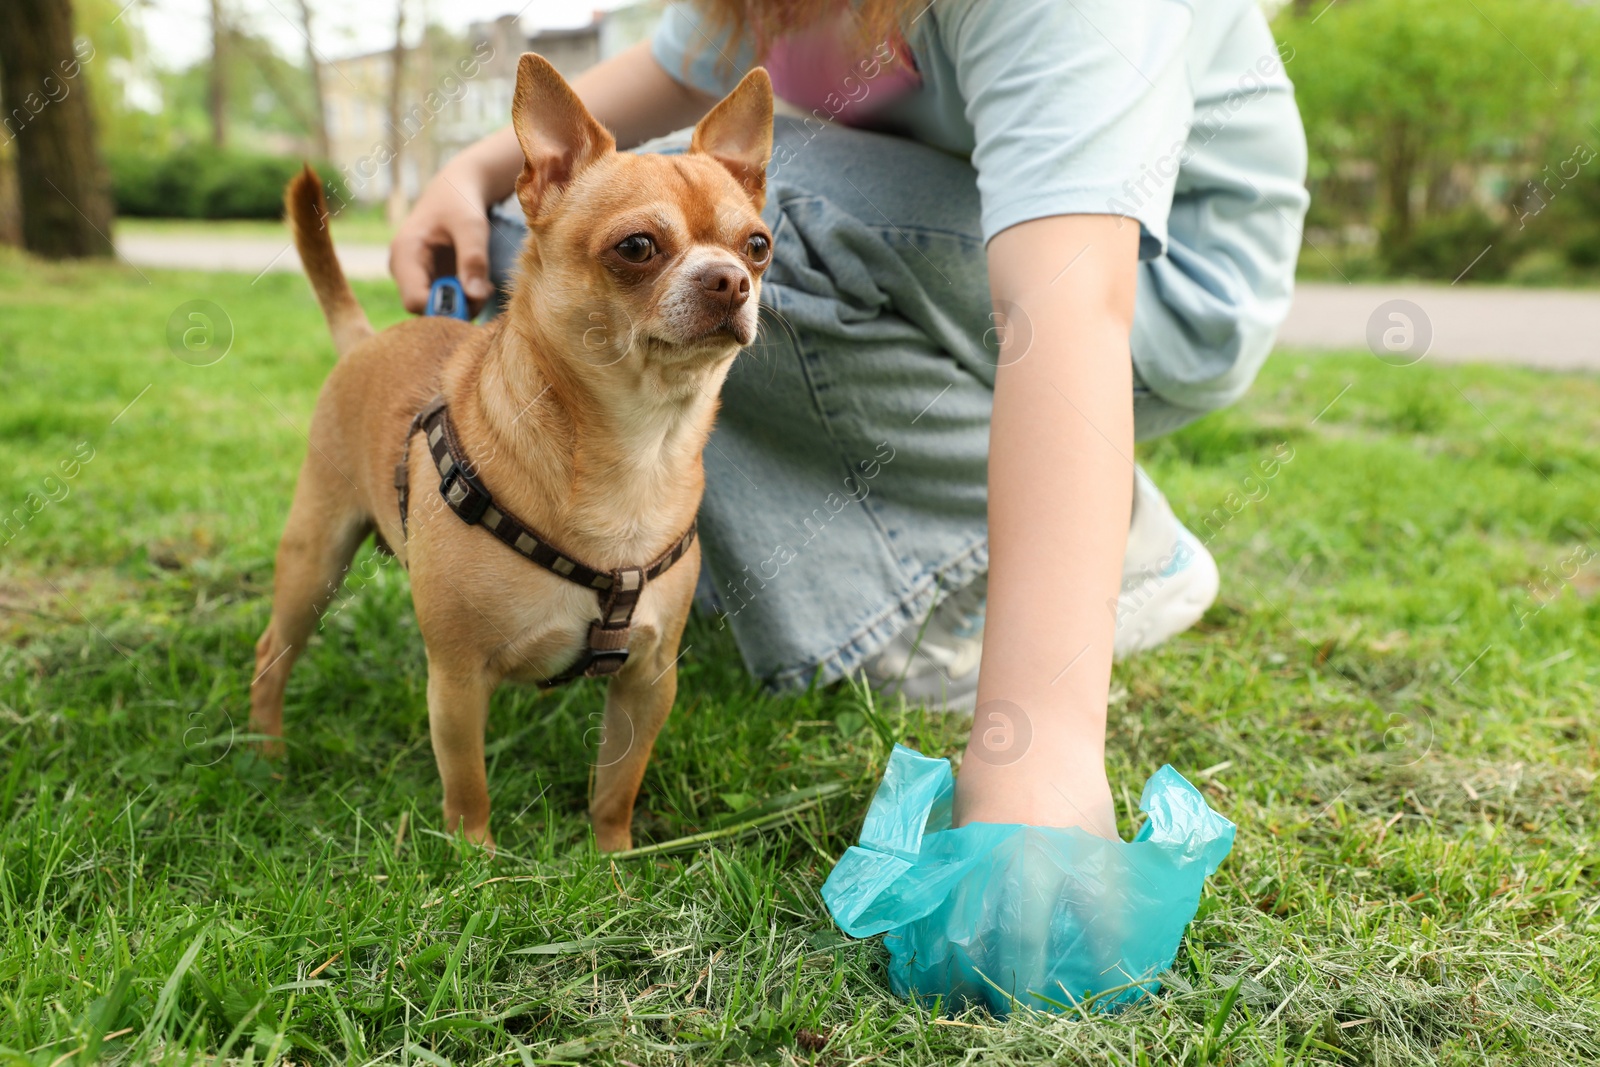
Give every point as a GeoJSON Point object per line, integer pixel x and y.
{"type": "Point", "coordinates": [816, 71]}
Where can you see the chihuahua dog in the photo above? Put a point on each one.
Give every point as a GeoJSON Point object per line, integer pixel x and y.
{"type": "Point", "coordinates": [582, 411]}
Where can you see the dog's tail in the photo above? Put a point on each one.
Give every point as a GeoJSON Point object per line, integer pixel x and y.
{"type": "Point", "coordinates": [308, 219]}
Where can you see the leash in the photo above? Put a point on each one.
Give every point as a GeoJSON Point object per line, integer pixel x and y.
{"type": "Point", "coordinates": [618, 590]}
{"type": "Point", "coordinates": [447, 298]}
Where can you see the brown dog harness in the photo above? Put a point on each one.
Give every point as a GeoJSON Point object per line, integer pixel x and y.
{"type": "Point", "coordinates": [618, 590]}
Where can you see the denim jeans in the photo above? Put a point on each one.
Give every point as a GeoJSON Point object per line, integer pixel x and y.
{"type": "Point", "coordinates": [846, 480]}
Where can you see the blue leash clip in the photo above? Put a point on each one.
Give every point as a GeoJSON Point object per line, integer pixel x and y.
{"type": "Point", "coordinates": [447, 298]}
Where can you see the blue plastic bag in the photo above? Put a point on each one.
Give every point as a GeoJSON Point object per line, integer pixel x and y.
{"type": "Point", "coordinates": [1051, 917]}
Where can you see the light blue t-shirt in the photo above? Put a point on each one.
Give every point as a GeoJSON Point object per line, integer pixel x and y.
{"type": "Point", "coordinates": [1063, 106]}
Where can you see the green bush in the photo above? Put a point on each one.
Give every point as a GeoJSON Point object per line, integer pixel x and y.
{"type": "Point", "coordinates": [1569, 220]}
{"type": "Point", "coordinates": [1444, 247]}
{"type": "Point", "coordinates": [204, 183]}
{"type": "Point", "coordinates": [148, 186]}
{"type": "Point", "coordinates": [1583, 249]}
{"type": "Point", "coordinates": [1442, 125]}
{"type": "Point", "coordinates": [1551, 235]}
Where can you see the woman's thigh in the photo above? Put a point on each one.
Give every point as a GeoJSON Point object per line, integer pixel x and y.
{"type": "Point", "coordinates": [846, 479]}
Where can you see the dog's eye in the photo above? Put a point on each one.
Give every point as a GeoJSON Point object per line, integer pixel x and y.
{"type": "Point", "coordinates": [758, 248]}
{"type": "Point", "coordinates": [636, 248]}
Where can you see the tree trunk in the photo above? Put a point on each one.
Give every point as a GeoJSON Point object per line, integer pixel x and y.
{"type": "Point", "coordinates": [10, 209]}
{"type": "Point", "coordinates": [62, 185]}
{"type": "Point", "coordinates": [397, 143]}
{"type": "Point", "coordinates": [217, 82]}
{"type": "Point", "coordinates": [1399, 174]}
{"type": "Point", "coordinates": [319, 107]}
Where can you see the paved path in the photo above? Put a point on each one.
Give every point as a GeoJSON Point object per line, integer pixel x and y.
{"type": "Point", "coordinates": [247, 255]}
{"type": "Point", "coordinates": [1551, 328]}
{"type": "Point", "coordinates": [1558, 329]}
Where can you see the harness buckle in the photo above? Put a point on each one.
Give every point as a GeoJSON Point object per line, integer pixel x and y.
{"type": "Point", "coordinates": [608, 649]}
{"type": "Point", "coordinates": [465, 494]}
{"type": "Point", "coordinates": [603, 664]}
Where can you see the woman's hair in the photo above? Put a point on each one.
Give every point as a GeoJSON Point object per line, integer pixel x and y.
{"type": "Point", "coordinates": [767, 20]}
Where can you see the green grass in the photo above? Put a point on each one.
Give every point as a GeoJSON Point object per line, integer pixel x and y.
{"type": "Point", "coordinates": [1394, 699]}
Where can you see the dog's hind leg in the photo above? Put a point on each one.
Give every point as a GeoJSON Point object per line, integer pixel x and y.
{"type": "Point", "coordinates": [324, 529]}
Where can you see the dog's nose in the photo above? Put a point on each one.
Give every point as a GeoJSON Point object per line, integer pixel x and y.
{"type": "Point", "coordinates": [727, 281]}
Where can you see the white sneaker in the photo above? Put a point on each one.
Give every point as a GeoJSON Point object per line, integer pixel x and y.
{"type": "Point", "coordinates": [936, 663]}
{"type": "Point", "coordinates": [1168, 577]}
{"type": "Point", "coordinates": [1168, 582]}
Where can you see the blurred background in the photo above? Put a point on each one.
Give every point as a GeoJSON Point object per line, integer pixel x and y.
{"type": "Point", "coordinates": [167, 110]}
{"type": "Point", "coordinates": [1439, 130]}
{"type": "Point", "coordinates": [1450, 142]}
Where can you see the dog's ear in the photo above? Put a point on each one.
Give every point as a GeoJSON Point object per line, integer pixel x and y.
{"type": "Point", "coordinates": [738, 133]}
{"type": "Point", "coordinates": [559, 137]}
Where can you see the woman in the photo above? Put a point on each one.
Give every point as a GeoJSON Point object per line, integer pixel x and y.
{"type": "Point", "coordinates": [1010, 238]}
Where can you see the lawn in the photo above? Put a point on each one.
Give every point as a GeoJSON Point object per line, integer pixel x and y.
{"type": "Point", "coordinates": [1394, 699]}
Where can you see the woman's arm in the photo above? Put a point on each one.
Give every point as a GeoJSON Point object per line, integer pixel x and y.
{"type": "Point", "coordinates": [629, 93]}
{"type": "Point", "coordinates": [1060, 497]}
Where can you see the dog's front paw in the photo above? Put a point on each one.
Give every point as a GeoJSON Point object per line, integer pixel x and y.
{"type": "Point", "coordinates": [269, 739]}
{"type": "Point", "coordinates": [475, 830]}
{"type": "Point", "coordinates": [482, 838]}
{"type": "Point", "coordinates": [613, 839]}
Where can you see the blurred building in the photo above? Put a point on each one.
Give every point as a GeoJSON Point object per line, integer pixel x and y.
{"type": "Point", "coordinates": [454, 91]}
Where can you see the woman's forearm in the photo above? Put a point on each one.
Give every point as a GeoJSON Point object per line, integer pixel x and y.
{"type": "Point", "coordinates": [1060, 494]}
{"type": "Point", "coordinates": [629, 93]}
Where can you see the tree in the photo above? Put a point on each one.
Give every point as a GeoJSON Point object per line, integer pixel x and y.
{"type": "Point", "coordinates": [1430, 90]}
{"type": "Point", "coordinates": [319, 107]}
{"type": "Point", "coordinates": [10, 210]}
{"type": "Point", "coordinates": [217, 84]}
{"type": "Point", "coordinates": [397, 73]}
{"type": "Point", "coordinates": [256, 65]}
{"type": "Point", "coordinates": [62, 184]}
{"type": "Point", "coordinates": [110, 28]}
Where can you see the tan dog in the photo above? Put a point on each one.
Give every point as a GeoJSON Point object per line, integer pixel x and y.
{"type": "Point", "coordinates": [583, 409]}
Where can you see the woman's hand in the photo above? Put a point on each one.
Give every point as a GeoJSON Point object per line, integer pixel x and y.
{"type": "Point", "coordinates": [1060, 499]}
{"type": "Point", "coordinates": [447, 232]}
{"type": "Point", "coordinates": [1059, 781]}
